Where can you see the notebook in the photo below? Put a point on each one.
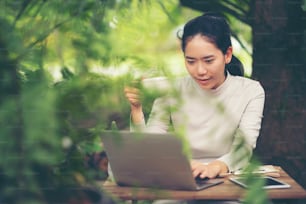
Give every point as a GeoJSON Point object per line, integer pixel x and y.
{"type": "Point", "coordinates": [151, 160]}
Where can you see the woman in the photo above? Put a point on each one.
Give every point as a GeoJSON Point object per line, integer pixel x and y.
{"type": "Point", "coordinates": [217, 110]}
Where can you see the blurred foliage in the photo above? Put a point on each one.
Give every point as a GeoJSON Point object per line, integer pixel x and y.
{"type": "Point", "coordinates": [55, 98]}
{"type": "Point", "coordinates": [63, 66]}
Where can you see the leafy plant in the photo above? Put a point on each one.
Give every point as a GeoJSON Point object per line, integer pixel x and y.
{"type": "Point", "coordinates": [55, 90]}
{"type": "Point", "coordinates": [43, 136]}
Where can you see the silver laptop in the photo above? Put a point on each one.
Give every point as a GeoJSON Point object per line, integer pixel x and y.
{"type": "Point", "coordinates": [151, 160]}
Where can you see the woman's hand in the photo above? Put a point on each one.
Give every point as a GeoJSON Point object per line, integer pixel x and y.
{"type": "Point", "coordinates": [210, 170]}
{"type": "Point", "coordinates": [133, 96]}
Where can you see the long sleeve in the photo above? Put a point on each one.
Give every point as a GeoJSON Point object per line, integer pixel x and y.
{"type": "Point", "coordinates": [137, 127]}
{"type": "Point", "coordinates": [246, 135]}
{"type": "Point", "coordinates": [159, 119]}
{"type": "Point", "coordinates": [214, 122]}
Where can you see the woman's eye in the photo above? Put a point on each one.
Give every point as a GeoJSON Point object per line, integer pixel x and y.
{"type": "Point", "coordinates": [209, 61]}
{"type": "Point", "coordinates": [190, 61]}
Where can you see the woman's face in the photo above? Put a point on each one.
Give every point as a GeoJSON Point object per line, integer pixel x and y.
{"type": "Point", "coordinates": [205, 62]}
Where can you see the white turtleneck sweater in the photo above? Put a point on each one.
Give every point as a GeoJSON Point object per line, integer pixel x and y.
{"type": "Point", "coordinates": [213, 122]}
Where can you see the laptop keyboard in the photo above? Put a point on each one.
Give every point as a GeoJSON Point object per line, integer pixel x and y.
{"type": "Point", "coordinates": [200, 180]}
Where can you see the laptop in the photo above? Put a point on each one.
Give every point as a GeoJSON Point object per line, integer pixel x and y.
{"type": "Point", "coordinates": [151, 160]}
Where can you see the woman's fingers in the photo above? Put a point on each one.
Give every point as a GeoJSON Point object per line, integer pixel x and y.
{"type": "Point", "coordinates": [197, 168]}
{"type": "Point", "coordinates": [213, 171]}
{"type": "Point", "coordinates": [204, 170]}
{"type": "Point", "coordinates": [133, 96]}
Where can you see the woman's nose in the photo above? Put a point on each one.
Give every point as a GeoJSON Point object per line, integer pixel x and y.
{"type": "Point", "coordinates": [201, 69]}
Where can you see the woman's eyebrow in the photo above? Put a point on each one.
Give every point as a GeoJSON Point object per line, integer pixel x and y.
{"type": "Point", "coordinates": [205, 57]}
{"type": "Point", "coordinates": [208, 56]}
{"type": "Point", "coordinates": [187, 57]}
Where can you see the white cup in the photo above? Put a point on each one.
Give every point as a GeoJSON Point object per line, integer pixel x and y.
{"type": "Point", "coordinates": [157, 84]}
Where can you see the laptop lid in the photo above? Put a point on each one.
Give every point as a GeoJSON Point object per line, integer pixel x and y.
{"type": "Point", "coordinates": [150, 160]}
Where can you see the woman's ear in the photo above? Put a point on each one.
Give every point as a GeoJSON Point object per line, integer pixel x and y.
{"type": "Point", "coordinates": [228, 55]}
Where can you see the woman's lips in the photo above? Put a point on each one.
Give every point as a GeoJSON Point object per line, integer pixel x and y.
{"type": "Point", "coordinates": [203, 81]}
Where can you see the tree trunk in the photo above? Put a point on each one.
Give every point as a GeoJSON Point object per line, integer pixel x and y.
{"type": "Point", "coordinates": [278, 64]}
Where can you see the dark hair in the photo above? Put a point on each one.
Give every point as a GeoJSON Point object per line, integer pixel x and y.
{"type": "Point", "coordinates": [216, 29]}
{"type": "Point", "coordinates": [235, 67]}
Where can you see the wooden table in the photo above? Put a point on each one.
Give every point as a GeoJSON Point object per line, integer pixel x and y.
{"type": "Point", "coordinates": [224, 191]}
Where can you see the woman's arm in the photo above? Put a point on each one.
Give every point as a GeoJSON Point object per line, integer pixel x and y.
{"type": "Point", "coordinates": [246, 135]}
{"type": "Point", "coordinates": [159, 118]}
{"type": "Point", "coordinates": [133, 96]}
{"type": "Point", "coordinates": [244, 141]}
{"type": "Point", "coordinates": [210, 170]}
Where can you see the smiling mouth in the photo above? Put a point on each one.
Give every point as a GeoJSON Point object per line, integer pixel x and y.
{"type": "Point", "coordinates": [203, 80]}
